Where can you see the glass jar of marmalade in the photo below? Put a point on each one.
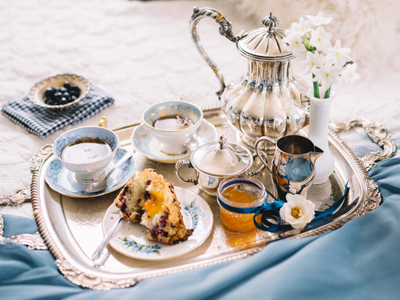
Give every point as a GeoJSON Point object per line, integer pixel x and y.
{"type": "Point", "coordinates": [238, 200]}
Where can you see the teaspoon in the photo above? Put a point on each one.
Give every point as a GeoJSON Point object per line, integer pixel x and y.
{"type": "Point", "coordinates": [100, 248]}
{"type": "Point", "coordinates": [101, 185]}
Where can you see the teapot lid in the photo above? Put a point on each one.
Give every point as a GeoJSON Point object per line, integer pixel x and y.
{"type": "Point", "coordinates": [266, 43]}
{"type": "Point", "coordinates": [221, 159]}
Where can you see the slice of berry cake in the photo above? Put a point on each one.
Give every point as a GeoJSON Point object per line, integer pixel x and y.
{"type": "Point", "coordinates": [149, 199]}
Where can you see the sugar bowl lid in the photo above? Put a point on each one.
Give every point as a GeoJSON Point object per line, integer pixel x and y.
{"type": "Point", "coordinates": [221, 159]}
{"type": "Point", "coordinates": [265, 43]}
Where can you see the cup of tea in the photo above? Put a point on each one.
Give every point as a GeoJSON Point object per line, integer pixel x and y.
{"type": "Point", "coordinates": [173, 123]}
{"type": "Point", "coordinates": [86, 151]}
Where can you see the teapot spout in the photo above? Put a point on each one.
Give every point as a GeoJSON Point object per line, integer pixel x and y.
{"type": "Point", "coordinates": [317, 153]}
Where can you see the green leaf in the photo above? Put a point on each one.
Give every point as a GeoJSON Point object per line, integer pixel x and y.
{"type": "Point", "coordinates": [327, 93]}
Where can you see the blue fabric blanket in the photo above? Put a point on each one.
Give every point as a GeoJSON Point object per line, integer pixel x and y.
{"type": "Point", "coordinates": [361, 260]}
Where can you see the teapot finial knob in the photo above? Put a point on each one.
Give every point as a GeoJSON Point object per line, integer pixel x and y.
{"type": "Point", "coordinates": [270, 21]}
{"type": "Point", "coordinates": [222, 142]}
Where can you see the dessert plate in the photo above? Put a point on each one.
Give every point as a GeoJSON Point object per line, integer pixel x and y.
{"type": "Point", "coordinates": [146, 144]}
{"type": "Point", "coordinates": [63, 181]}
{"type": "Point", "coordinates": [130, 238]}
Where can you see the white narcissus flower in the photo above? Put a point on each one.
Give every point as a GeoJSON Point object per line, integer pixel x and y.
{"type": "Point", "coordinates": [312, 61]}
{"type": "Point", "coordinates": [325, 60]}
{"type": "Point", "coordinates": [297, 211]}
{"type": "Point", "coordinates": [320, 39]}
{"type": "Point", "coordinates": [339, 55]}
{"type": "Point", "coordinates": [295, 44]}
{"type": "Point", "coordinates": [326, 75]}
{"type": "Point", "coordinates": [349, 74]}
{"type": "Point", "coordinates": [299, 28]}
{"type": "Point", "coordinates": [319, 19]}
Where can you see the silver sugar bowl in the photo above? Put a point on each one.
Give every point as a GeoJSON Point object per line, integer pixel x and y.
{"type": "Point", "coordinates": [214, 162]}
{"type": "Point", "coordinates": [268, 100]}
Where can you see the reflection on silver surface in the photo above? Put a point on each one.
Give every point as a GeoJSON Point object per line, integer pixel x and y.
{"type": "Point", "coordinates": [377, 133]}
{"type": "Point", "coordinates": [293, 164]}
{"type": "Point", "coordinates": [268, 100]}
{"type": "Point", "coordinates": [1, 225]}
{"type": "Point", "coordinates": [72, 229]}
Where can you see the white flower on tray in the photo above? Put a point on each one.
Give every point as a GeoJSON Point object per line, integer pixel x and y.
{"type": "Point", "coordinates": [323, 61]}
{"type": "Point", "coordinates": [297, 211]}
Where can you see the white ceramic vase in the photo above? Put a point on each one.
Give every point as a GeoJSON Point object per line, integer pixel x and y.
{"type": "Point", "coordinates": [318, 134]}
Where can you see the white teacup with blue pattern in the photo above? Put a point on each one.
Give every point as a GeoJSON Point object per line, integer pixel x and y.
{"type": "Point", "coordinates": [172, 142]}
{"type": "Point", "coordinates": [93, 170]}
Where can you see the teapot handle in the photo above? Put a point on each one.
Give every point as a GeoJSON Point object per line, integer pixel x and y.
{"type": "Point", "coordinates": [225, 29]}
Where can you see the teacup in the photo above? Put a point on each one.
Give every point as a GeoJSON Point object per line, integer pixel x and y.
{"type": "Point", "coordinates": [172, 141]}
{"type": "Point", "coordinates": [86, 151]}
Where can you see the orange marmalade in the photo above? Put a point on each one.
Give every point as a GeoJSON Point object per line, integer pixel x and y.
{"type": "Point", "coordinates": [237, 221]}
{"type": "Point", "coordinates": [155, 204]}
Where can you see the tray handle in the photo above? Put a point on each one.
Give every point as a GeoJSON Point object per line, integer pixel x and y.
{"type": "Point", "coordinates": [377, 133]}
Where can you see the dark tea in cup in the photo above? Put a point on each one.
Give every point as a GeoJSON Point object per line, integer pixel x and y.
{"type": "Point", "coordinates": [171, 123]}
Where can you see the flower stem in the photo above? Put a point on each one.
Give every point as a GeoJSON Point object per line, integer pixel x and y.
{"type": "Point", "coordinates": [316, 89]}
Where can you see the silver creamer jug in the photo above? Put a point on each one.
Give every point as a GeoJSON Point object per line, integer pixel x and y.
{"type": "Point", "coordinates": [268, 100]}
{"type": "Point", "coordinates": [293, 164]}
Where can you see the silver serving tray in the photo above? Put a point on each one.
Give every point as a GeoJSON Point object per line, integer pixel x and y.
{"type": "Point", "coordinates": [72, 227]}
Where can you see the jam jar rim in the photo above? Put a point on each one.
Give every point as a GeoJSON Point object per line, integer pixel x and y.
{"type": "Point", "coordinates": [256, 182]}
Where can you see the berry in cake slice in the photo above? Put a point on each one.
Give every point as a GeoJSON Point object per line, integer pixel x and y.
{"type": "Point", "coordinates": [149, 199]}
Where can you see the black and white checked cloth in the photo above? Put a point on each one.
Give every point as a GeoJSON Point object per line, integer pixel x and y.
{"type": "Point", "coordinates": [43, 122]}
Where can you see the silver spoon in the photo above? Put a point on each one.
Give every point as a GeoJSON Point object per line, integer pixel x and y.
{"type": "Point", "coordinates": [100, 248]}
{"type": "Point", "coordinates": [101, 185]}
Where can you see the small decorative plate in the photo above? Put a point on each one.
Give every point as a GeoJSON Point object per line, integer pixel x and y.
{"type": "Point", "coordinates": [130, 238]}
{"type": "Point", "coordinates": [63, 181]}
{"type": "Point", "coordinates": [36, 94]}
{"type": "Point", "coordinates": [146, 144]}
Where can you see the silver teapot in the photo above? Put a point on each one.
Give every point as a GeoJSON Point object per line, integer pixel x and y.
{"type": "Point", "coordinates": [268, 100]}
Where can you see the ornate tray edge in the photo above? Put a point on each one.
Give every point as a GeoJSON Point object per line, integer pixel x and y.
{"type": "Point", "coordinates": [79, 277]}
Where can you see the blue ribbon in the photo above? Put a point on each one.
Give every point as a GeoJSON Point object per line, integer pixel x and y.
{"type": "Point", "coordinates": [270, 211]}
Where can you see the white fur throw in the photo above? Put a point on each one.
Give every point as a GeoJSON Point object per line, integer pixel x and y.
{"type": "Point", "coordinates": [371, 28]}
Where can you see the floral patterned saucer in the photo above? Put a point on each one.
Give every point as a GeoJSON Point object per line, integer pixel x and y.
{"type": "Point", "coordinates": [130, 238]}
{"type": "Point", "coordinates": [62, 180]}
{"type": "Point", "coordinates": [146, 144]}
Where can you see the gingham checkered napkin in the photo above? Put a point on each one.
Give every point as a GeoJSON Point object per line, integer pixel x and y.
{"type": "Point", "coordinates": [43, 122]}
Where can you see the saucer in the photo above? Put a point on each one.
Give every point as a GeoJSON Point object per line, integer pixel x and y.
{"type": "Point", "coordinates": [147, 145]}
{"type": "Point", "coordinates": [63, 181]}
{"type": "Point", "coordinates": [130, 238]}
